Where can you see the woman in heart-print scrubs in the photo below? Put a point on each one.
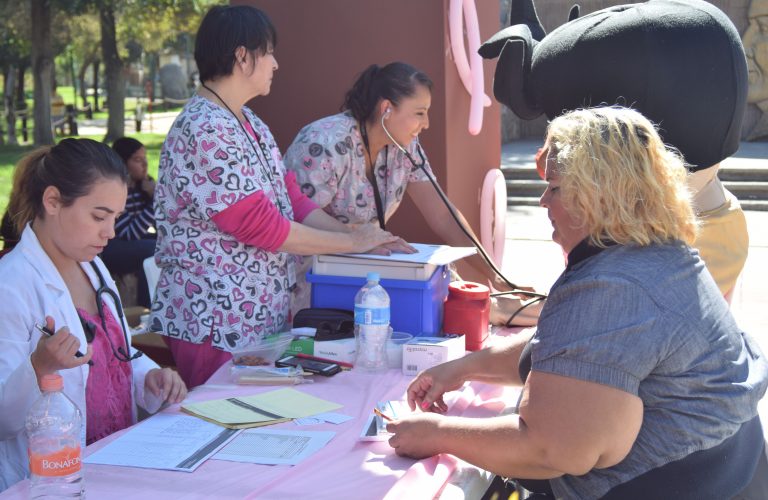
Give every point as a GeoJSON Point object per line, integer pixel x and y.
{"type": "Point", "coordinates": [354, 166]}
{"type": "Point", "coordinates": [228, 217]}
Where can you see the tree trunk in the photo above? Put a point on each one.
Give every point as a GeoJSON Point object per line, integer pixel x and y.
{"type": "Point", "coordinates": [113, 68]}
{"type": "Point", "coordinates": [7, 70]}
{"type": "Point", "coordinates": [21, 100]}
{"type": "Point", "coordinates": [81, 79]}
{"type": "Point", "coordinates": [96, 65]}
{"type": "Point", "coordinates": [10, 105]}
{"type": "Point", "coordinates": [42, 70]}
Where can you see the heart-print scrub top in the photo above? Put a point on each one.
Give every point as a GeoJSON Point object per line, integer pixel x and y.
{"type": "Point", "coordinates": [210, 283]}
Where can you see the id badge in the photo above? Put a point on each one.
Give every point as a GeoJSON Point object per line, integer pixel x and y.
{"type": "Point", "coordinates": [291, 264]}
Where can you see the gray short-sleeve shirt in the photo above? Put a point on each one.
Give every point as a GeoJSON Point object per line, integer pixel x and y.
{"type": "Point", "coordinates": [652, 322]}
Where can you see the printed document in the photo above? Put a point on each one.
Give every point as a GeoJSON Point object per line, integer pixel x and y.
{"type": "Point", "coordinates": [165, 441]}
{"type": "Point", "coordinates": [274, 446]}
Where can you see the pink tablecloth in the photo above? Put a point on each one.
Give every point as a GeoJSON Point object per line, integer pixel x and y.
{"type": "Point", "coordinates": [345, 468]}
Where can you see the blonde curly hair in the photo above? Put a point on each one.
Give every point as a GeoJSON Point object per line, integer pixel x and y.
{"type": "Point", "coordinates": [619, 179]}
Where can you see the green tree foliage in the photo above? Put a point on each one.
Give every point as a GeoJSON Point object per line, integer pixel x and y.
{"type": "Point", "coordinates": [148, 25]}
{"type": "Point", "coordinates": [14, 33]}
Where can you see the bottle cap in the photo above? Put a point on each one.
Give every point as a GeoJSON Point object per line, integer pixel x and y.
{"type": "Point", "coordinates": [52, 382]}
{"type": "Point", "coordinates": [373, 276]}
{"type": "Point", "coordinates": [468, 290]}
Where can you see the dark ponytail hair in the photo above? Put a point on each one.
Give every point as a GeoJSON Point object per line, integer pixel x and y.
{"type": "Point", "coordinates": [393, 82]}
{"type": "Point", "coordinates": [72, 166]}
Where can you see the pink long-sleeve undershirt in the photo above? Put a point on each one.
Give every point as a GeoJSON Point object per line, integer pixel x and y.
{"type": "Point", "coordinates": [256, 221]}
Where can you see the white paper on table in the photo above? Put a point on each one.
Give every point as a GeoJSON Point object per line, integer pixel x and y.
{"type": "Point", "coordinates": [439, 255]}
{"type": "Point", "coordinates": [164, 441]}
{"type": "Point", "coordinates": [333, 418]}
{"type": "Point", "coordinates": [274, 446]}
{"type": "Point", "coordinates": [321, 418]}
{"type": "Point", "coordinates": [308, 421]}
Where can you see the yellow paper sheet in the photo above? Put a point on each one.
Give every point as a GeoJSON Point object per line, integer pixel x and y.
{"type": "Point", "coordinates": [290, 403]}
{"type": "Point", "coordinates": [269, 407]}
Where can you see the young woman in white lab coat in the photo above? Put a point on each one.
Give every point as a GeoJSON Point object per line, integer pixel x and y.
{"type": "Point", "coordinates": [64, 203]}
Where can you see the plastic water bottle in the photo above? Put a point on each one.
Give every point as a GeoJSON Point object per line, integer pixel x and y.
{"type": "Point", "coordinates": [372, 325]}
{"type": "Point", "coordinates": [55, 455]}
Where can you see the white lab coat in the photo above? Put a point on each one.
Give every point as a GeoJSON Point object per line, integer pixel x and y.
{"type": "Point", "coordinates": [30, 289]}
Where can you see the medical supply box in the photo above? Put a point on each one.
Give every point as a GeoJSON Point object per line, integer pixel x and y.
{"type": "Point", "coordinates": [421, 353]}
{"type": "Point", "coordinates": [416, 306]}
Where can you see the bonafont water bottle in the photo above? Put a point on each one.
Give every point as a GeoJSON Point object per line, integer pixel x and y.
{"type": "Point", "coordinates": [372, 325]}
{"type": "Point", "coordinates": [55, 454]}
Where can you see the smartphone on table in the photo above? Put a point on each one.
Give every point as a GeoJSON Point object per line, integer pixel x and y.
{"type": "Point", "coordinates": [324, 368]}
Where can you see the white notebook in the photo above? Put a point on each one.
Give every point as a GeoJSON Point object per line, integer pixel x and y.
{"type": "Point", "coordinates": [418, 266]}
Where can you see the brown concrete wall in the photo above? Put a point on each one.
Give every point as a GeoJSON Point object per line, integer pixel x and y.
{"type": "Point", "coordinates": [324, 44]}
{"type": "Point", "coordinates": [554, 13]}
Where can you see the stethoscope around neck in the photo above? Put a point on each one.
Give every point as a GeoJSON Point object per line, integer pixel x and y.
{"type": "Point", "coordinates": [405, 151]}
{"type": "Point", "coordinates": [452, 211]}
{"type": "Point", "coordinates": [90, 330]}
{"type": "Point", "coordinates": [376, 194]}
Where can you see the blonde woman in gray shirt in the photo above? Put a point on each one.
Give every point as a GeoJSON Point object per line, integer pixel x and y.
{"type": "Point", "coordinates": [637, 383]}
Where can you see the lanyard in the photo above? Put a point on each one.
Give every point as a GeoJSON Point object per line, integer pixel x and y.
{"type": "Point", "coordinates": [267, 169]}
{"type": "Point", "coordinates": [261, 151]}
{"type": "Point", "coordinates": [376, 194]}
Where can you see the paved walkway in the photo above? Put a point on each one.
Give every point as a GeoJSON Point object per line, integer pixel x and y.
{"type": "Point", "coordinates": [531, 258]}
{"type": "Point", "coordinates": [156, 123]}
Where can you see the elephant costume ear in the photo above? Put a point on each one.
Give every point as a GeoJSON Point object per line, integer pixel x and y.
{"type": "Point", "coordinates": [524, 12]}
{"type": "Point", "coordinates": [514, 47]}
{"type": "Point", "coordinates": [574, 13]}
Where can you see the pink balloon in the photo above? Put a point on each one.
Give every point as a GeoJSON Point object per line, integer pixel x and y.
{"type": "Point", "coordinates": [493, 214]}
{"type": "Point", "coordinates": [476, 65]}
{"type": "Point", "coordinates": [471, 75]}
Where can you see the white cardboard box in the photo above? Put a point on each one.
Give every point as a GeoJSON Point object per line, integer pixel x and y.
{"type": "Point", "coordinates": [337, 350]}
{"type": "Point", "coordinates": [337, 265]}
{"type": "Point", "coordinates": [421, 353]}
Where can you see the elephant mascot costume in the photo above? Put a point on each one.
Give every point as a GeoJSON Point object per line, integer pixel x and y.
{"type": "Point", "coordinates": [679, 62]}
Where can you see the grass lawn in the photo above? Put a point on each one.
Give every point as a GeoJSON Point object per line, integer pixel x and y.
{"type": "Point", "coordinates": [10, 155]}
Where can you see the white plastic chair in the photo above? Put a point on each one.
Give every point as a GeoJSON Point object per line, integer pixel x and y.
{"type": "Point", "coordinates": [152, 272]}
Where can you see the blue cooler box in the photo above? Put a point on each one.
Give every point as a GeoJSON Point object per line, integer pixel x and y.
{"type": "Point", "coordinates": [416, 307]}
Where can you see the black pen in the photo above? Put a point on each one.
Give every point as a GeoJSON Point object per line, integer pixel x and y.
{"type": "Point", "coordinates": [47, 331]}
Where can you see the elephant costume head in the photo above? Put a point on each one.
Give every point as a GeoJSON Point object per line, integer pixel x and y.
{"type": "Point", "coordinates": [679, 62]}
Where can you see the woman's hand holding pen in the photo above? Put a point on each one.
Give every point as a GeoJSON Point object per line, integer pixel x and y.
{"type": "Point", "coordinates": [417, 435]}
{"type": "Point", "coordinates": [57, 352]}
{"type": "Point", "coordinates": [166, 384]}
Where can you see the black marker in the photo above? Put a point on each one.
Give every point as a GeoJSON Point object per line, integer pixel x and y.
{"type": "Point", "coordinates": [47, 331]}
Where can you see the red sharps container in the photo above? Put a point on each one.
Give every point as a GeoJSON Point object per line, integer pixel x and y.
{"type": "Point", "coordinates": [467, 312]}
